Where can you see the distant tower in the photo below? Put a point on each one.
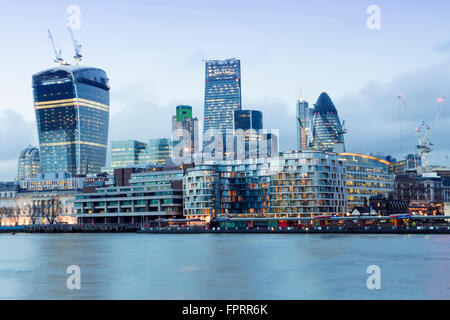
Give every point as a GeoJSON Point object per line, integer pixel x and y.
{"type": "Point", "coordinates": [327, 133]}
{"type": "Point", "coordinates": [29, 163]}
{"type": "Point", "coordinates": [158, 152]}
{"type": "Point", "coordinates": [185, 126]}
{"type": "Point", "coordinates": [126, 153]}
{"type": "Point", "coordinates": [304, 117]}
{"type": "Point", "coordinates": [248, 125]}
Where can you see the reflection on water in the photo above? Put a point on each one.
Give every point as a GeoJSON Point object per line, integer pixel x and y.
{"type": "Point", "coordinates": [224, 266]}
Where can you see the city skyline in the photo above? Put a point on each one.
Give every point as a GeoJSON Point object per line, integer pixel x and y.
{"type": "Point", "coordinates": [366, 100]}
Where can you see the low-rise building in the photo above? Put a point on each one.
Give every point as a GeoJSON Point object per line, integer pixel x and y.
{"type": "Point", "coordinates": [45, 199]}
{"type": "Point", "coordinates": [137, 196]}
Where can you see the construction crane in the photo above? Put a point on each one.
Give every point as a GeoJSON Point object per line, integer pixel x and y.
{"type": "Point", "coordinates": [76, 45]}
{"type": "Point", "coordinates": [56, 50]}
{"type": "Point", "coordinates": [423, 131]}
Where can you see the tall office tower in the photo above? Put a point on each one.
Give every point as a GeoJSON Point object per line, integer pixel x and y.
{"type": "Point", "coordinates": [29, 164]}
{"type": "Point", "coordinates": [248, 125]}
{"type": "Point", "coordinates": [304, 113]}
{"type": "Point", "coordinates": [248, 120]}
{"type": "Point", "coordinates": [72, 113]}
{"type": "Point", "coordinates": [327, 132]}
{"type": "Point", "coordinates": [222, 94]}
{"type": "Point", "coordinates": [158, 152]}
{"type": "Point", "coordinates": [125, 153]}
{"type": "Point", "coordinates": [184, 127]}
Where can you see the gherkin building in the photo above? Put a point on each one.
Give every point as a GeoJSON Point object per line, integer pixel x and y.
{"type": "Point", "coordinates": [327, 133]}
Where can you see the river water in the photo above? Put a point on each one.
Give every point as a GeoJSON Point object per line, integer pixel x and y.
{"type": "Point", "coordinates": [224, 266]}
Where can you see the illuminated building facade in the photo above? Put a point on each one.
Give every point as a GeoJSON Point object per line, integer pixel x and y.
{"type": "Point", "coordinates": [367, 176]}
{"type": "Point", "coordinates": [295, 184]}
{"type": "Point", "coordinates": [326, 133]}
{"type": "Point", "coordinates": [222, 94]}
{"type": "Point", "coordinates": [308, 183]}
{"type": "Point", "coordinates": [138, 196]}
{"type": "Point", "coordinates": [227, 188]}
{"type": "Point", "coordinates": [125, 153]}
{"type": "Point", "coordinates": [416, 188]}
{"type": "Point", "coordinates": [411, 161]}
{"type": "Point", "coordinates": [158, 152]}
{"type": "Point", "coordinates": [29, 163]}
{"type": "Point", "coordinates": [201, 193]}
{"type": "Point", "coordinates": [72, 113]}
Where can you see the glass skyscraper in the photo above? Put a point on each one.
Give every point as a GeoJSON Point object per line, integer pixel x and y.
{"type": "Point", "coordinates": [158, 152]}
{"type": "Point", "coordinates": [72, 113]}
{"type": "Point", "coordinates": [248, 125]}
{"type": "Point", "coordinates": [125, 153]}
{"type": "Point", "coordinates": [248, 120]}
{"type": "Point", "coordinates": [327, 132]}
{"type": "Point", "coordinates": [222, 94]}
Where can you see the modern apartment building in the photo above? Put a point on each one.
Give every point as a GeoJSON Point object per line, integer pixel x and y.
{"type": "Point", "coordinates": [293, 184]}
{"type": "Point", "coordinates": [307, 184]}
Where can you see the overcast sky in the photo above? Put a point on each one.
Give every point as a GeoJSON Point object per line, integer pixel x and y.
{"type": "Point", "coordinates": [153, 52]}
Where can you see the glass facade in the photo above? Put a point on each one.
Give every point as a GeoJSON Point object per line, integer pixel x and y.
{"type": "Point", "coordinates": [367, 176]}
{"type": "Point", "coordinates": [227, 188]}
{"type": "Point", "coordinates": [72, 113]}
{"type": "Point", "coordinates": [158, 152]}
{"type": "Point", "coordinates": [248, 125]}
{"type": "Point", "coordinates": [248, 119]}
{"type": "Point", "coordinates": [125, 153]}
{"type": "Point", "coordinates": [295, 184]}
{"type": "Point", "coordinates": [327, 133]}
{"type": "Point", "coordinates": [29, 164]}
{"type": "Point", "coordinates": [222, 94]}
{"type": "Point", "coordinates": [304, 117]}
{"type": "Point", "coordinates": [307, 184]}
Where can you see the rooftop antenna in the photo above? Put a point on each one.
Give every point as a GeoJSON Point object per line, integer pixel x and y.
{"type": "Point", "coordinates": [76, 44]}
{"type": "Point", "coordinates": [58, 56]}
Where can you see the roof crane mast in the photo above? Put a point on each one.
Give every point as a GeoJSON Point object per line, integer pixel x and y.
{"type": "Point", "coordinates": [76, 45]}
{"type": "Point", "coordinates": [56, 50]}
{"type": "Point", "coordinates": [423, 131]}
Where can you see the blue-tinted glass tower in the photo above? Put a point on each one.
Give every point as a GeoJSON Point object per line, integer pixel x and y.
{"type": "Point", "coordinates": [327, 132]}
{"type": "Point", "coordinates": [248, 119]}
{"type": "Point", "coordinates": [222, 94]}
{"type": "Point", "coordinates": [72, 114]}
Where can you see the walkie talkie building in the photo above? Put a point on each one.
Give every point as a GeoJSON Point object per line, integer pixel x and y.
{"type": "Point", "coordinates": [72, 114]}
